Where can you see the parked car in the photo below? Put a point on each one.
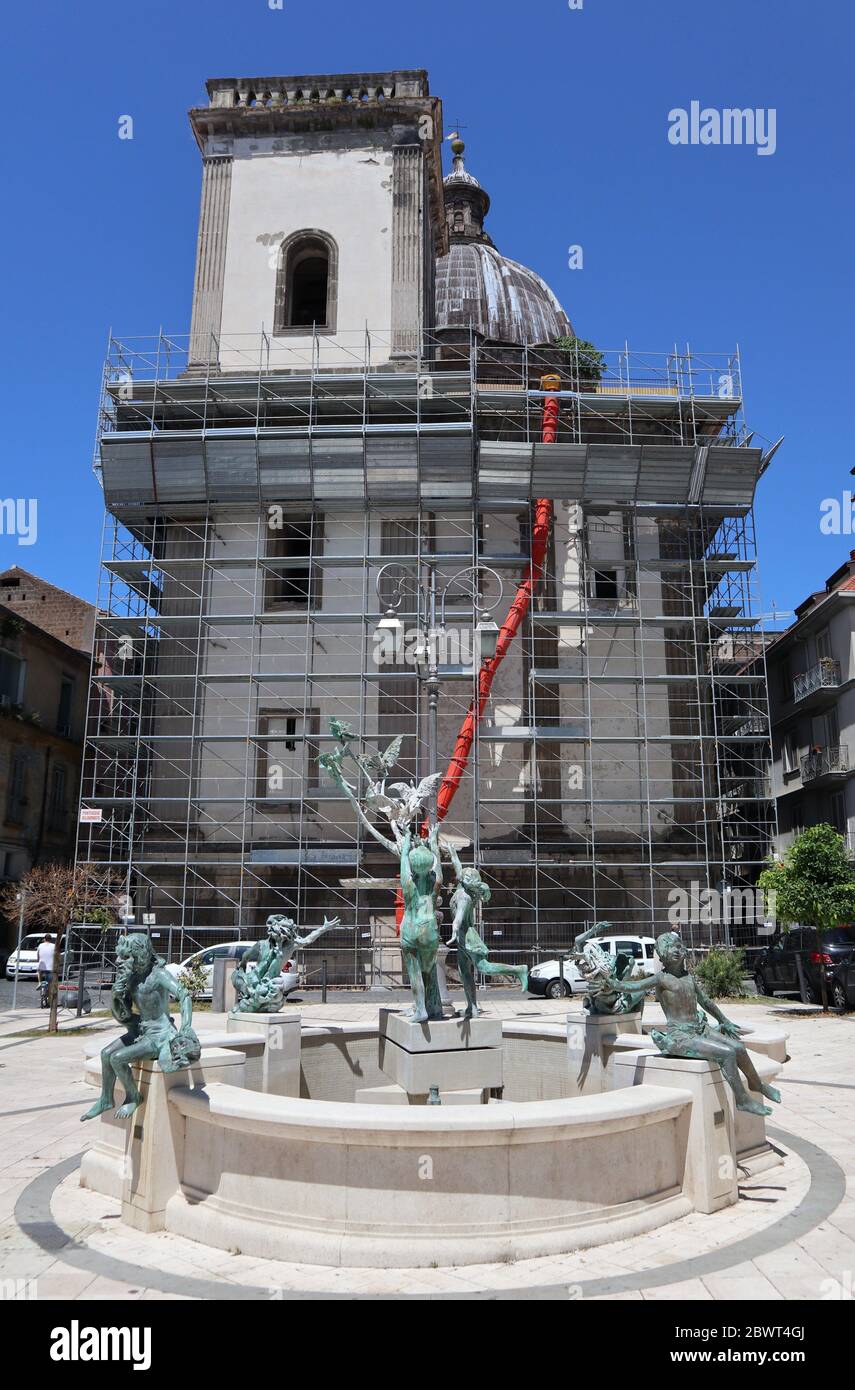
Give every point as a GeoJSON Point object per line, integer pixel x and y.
{"type": "Point", "coordinates": [842, 992]}
{"type": "Point", "coordinates": [546, 978]}
{"type": "Point", "coordinates": [776, 971]}
{"type": "Point", "coordinates": [232, 950]}
{"type": "Point", "coordinates": [23, 961]}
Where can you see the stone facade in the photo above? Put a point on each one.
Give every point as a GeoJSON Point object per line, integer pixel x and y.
{"type": "Point", "coordinates": [43, 683]}
{"type": "Point", "coordinates": [353, 159]}
{"type": "Point", "coordinates": [811, 670]}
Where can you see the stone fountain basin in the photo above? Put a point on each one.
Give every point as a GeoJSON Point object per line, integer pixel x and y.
{"type": "Point", "coordinates": [319, 1179]}
{"type": "Point", "coordinates": [328, 1182]}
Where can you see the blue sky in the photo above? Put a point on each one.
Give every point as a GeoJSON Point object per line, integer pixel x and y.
{"type": "Point", "coordinates": [565, 114]}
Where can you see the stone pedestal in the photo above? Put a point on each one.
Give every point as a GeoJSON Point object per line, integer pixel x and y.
{"type": "Point", "coordinates": [590, 1042]}
{"type": "Point", "coordinates": [154, 1140]}
{"type": "Point", "coordinates": [277, 1069]}
{"type": "Point", "coordinates": [453, 1054]}
{"type": "Point", "coordinates": [396, 1095]}
{"type": "Point", "coordinates": [223, 994]}
{"type": "Point", "coordinates": [711, 1170]}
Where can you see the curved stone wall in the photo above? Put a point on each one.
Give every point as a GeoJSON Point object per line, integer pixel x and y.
{"type": "Point", "coordinates": [331, 1183]}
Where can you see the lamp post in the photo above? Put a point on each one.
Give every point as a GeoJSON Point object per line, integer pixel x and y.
{"type": "Point", "coordinates": [431, 622]}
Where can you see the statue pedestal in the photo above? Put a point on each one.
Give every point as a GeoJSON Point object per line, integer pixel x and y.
{"type": "Point", "coordinates": [223, 995]}
{"type": "Point", "coordinates": [277, 1069]}
{"type": "Point", "coordinates": [146, 1151]}
{"type": "Point", "coordinates": [396, 1095]}
{"type": "Point", "coordinates": [453, 1054]}
{"type": "Point", "coordinates": [720, 1137]}
{"type": "Point", "coordinates": [590, 1043]}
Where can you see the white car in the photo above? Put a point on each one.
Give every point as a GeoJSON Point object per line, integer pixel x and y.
{"type": "Point", "coordinates": [23, 961]}
{"type": "Point", "coordinates": [232, 950]}
{"type": "Point", "coordinates": [546, 978]}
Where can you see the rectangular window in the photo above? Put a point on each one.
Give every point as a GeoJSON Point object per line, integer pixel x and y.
{"type": "Point", "coordinates": [292, 580]}
{"type": "Point", "coordinates": [16, 798]}
{"type": "Point", "coordinates": [287, 764]}
{"type": "Point", "coordinates": [785, 680]}
{"type": "Point", "coordinates": [399, 536]}
{"type": "Point", "coordinates": [838, 812]}
{"type": "Point", "coordinates": [606, 585]}
{"type": "Point", "coordinates": [58, 801]}
{"type": "Point", "coordinates": [11, 680]}
{"type": "Point", "coordinates": [63, 716]}
{"type": "Point", "coordinates": [790, 751]}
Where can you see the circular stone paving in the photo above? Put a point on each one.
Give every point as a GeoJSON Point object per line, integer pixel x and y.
{"type": "Point", "coordinates": [81, 1229]}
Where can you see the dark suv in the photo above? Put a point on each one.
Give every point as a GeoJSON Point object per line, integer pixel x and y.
{"type": "Point", "coordinates": [831, 951]}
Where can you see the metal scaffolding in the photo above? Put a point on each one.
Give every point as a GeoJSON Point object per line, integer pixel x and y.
{"type": "Point", "coordinates": [625, 749]}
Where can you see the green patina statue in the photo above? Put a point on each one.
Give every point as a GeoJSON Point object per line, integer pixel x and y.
{"type": "Point", "coordinates": [604, 974]}
{"type": "Point", "coordinates": [421, 880]}
{"type": "Point", "coordinates": [258, 979]}
{"type": "Point", "coordinates": [140, 1002]}
{"type": "Point", "coordinates": [402, 807]}
{"type": "Point", "coordinates": [472, 951]}
{"type": "Point", "coordinates": [687, 1032]}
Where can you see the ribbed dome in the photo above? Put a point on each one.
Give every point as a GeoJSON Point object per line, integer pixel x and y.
{"type": "Point", "coordinates": [476, 286]}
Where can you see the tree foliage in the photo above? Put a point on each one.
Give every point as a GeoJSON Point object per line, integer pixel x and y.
{"type": "Point", "coordinates": [814, 883]}
{"type": "Point", "coordinates": [587, 362]}
{"type": "Point", "coordinates": [194, 978]}
{"type": "Point", "coordinates": [54, 896]}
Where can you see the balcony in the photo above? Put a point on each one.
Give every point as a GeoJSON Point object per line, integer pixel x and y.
{"type": "Point", "coordinates": [825, 675]}
{"type": "Point", "coordinates": [825, 763]}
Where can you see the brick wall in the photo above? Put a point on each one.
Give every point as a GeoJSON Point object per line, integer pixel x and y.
{"type": "Point", "coordinates": [63, 615]}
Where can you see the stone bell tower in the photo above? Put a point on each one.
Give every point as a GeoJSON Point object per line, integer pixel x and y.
{"type": "Point", "coordinates": [321, 216]}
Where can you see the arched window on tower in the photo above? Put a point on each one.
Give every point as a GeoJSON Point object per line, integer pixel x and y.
{"type": "Point", "coordinates": [307, 284]}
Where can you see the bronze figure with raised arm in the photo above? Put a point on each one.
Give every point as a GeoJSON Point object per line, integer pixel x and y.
{"type": "Point", "coordinates": [402, 806]}
{"type": "Point", "coordinates": [687, 1032]}
{"type": "Point", "coordinates": [472, 951]}
{"type": "Point", "coordinates": [258, 978]}
{"type": "Point", "coordinates": [421, 879]}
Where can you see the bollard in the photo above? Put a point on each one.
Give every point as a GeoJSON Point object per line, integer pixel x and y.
{"type": "Point", "coordinates": [81, 988]}
{"type": "Point", "coordinates": [324, 980]}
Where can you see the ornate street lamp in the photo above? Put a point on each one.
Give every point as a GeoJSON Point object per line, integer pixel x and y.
{"type": "Point", "coordinates": [467, 583]}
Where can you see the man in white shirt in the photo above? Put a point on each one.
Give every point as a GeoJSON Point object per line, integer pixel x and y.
{"type": "Point", "coordinates": [44, 959]}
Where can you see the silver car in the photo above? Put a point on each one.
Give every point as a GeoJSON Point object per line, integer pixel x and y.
{"type": "Point", "coordinates": [231, 950]}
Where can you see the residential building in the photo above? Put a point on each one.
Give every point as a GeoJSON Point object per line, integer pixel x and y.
{"type": "Point", "coordinates": [45, 646]}
{"type": "Point", "coordinates": [811, 670]}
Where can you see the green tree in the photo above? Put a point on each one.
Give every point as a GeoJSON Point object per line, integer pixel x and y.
{"type": "Point", "coordinates": [54, 896]}
{"type": "Point", "coordinates": [813, 885]}
{"type": "Point", "coordinates": [586, 362]}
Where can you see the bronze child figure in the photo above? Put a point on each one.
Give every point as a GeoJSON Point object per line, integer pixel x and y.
{"type": "Point", "coordinates": [141, 994]}
{"type": "Point", "coordinates": [472, 951]}
{"type": "Point", "coordinates": [687, 1032]}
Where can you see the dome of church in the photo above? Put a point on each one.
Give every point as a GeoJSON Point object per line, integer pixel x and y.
{"type": "Point", "coordinates": [478, 287]}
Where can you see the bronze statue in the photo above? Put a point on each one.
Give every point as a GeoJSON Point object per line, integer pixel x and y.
{"type": "Point", "coordinates": [687, 1032]}
{"type": "Point", "coordinates": [472, 951]}
{"type": "Point", "coordinates": [258, 979]}
{"type": "Point", "coordinates": [604, 974]}
{"type": "Point", "coordinates": [141, 993]}
{"type": "Point", "coordinates": [402, 806]}
{"type": "Point", "coordinates": [421, 880]}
